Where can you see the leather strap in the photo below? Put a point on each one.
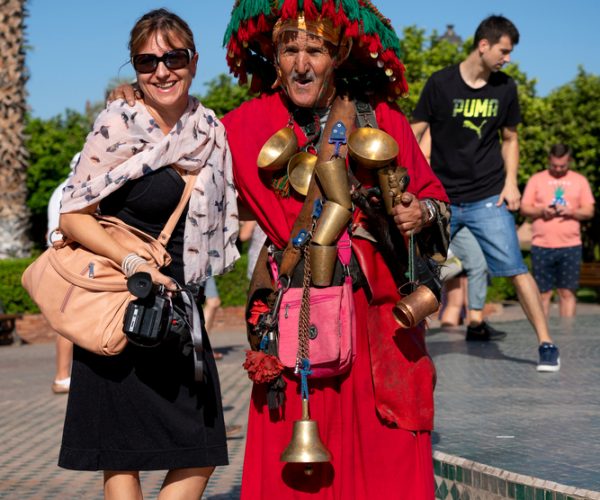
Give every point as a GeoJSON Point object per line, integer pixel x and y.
{"type": "Point", "coordinates": [343, 110]}
{"type": "Point", "coordinates": [165, 234]}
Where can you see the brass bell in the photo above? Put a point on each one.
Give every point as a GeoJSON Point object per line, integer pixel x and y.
{"type": "Point", "coordinates": [306, 446]}
{"type": "Point", "coordinates": [414, 308]}
{"type": "Point", "coordinates": [300, 171]}
{"type": "Point", "coordinates": [332, 222]}
{"type": "Point", "coordinates": [333, 177]}
{"type": "Point", "coordinates": [278, 149]}
{"type": "Point", "coordinates": [372, 147]}
{"type": "Point", "coordinates": [322, 263]}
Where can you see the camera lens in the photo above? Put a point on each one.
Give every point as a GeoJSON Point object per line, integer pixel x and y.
{"type": "Point", "coordinates": [140, 285]}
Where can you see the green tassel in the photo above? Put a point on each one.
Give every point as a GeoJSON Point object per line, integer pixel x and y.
{"type": "Point", "coordinates": [351, 9]}
{"type": "Point", "coordinates": [244, 10]}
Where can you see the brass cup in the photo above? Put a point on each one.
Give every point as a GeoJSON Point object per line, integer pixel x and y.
{"type": "Point", "coordinates": [322, 264]}
{"type": "Point", "coordinates": [414, 308]}
{"type": "Point", "coordinates": [300, 171]}
{"type": "Point", "coordinates": [278, 149]}
{"type": "Point", "coordinates": [331, 223]}
{"type": "Point", "coordinates": [333, 177]}
{"type": "Point", "coordinates": [392, 181]}
{"type": "Point", "coordinates": [371, 147]}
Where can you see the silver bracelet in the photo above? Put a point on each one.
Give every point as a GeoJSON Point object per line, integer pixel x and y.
{"type": "Point", "coordinates": [130, 264]}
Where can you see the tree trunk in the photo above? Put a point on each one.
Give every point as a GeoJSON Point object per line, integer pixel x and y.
{"type": "Point", "coordinates": [14, 215]}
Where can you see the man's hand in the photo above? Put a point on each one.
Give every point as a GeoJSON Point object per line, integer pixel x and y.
{"type": "Point", "coordinates": [126, 92]}
{"type": "Point", "coordinates": [408, 215]}
{"type": "Point", "coordinates": [549, 212]}
{"type": "Point", "coordinates": [511, 195]}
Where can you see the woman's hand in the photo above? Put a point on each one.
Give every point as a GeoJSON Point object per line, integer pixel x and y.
{"type": "Point", "coordinates": [408, 215]}
{"type": "Point", "coordinates": [157, 277]}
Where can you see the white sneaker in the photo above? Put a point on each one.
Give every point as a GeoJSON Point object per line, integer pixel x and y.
{"type": "Point", "coordinates": [61, 386]}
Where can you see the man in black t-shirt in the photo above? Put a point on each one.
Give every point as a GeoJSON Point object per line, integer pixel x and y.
{"type": "Point", "coordinates": [469, 107]}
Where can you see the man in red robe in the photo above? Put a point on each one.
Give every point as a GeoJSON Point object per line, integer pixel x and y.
{"type": "Point", "coordinates": [375, 420]}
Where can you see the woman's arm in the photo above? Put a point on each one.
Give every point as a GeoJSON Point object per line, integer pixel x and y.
{"type": "Point", "coordinates": [82, 227]}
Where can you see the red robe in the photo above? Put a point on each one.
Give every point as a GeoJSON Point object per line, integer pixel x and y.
{"type": "Point", "coordinates": [376, 419]}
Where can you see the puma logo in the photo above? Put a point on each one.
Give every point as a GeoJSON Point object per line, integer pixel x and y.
{"type": "Point", "coordinates": [470, 125]}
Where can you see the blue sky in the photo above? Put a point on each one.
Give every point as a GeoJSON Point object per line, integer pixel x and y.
{"type": "Point", "coordinates": [77, 46]}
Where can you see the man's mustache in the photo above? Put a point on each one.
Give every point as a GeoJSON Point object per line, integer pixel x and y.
{"type": "Point", "coordinates": [309, 75]}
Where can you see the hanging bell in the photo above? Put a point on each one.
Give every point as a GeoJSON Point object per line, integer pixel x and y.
{"type": "Point", "coordinates": [306, 446]}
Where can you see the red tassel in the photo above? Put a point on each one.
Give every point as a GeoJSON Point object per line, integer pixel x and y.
{"type": "Point", "coordinates": [310, 10]}
{"type": "Point", "coordinates": [262, 24]}
{"type": "Point", "coordinates": [261, 367]}
{"type": "Point", "coordinates": [328, 11]}
{"type": "Point", "coordinates": [352, 30]}
{"type": "Point", "coordinates": [289, 9]}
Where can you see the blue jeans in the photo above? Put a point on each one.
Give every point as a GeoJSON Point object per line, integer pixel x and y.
{"type": "Point", "coordinates": [465, 247]}
{"type": "Point", "coordinates": [495, 231]}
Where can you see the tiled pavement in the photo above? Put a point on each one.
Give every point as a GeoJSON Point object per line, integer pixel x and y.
{"type": "Point", "coordinates": [492, 407]}
{"type": "Point", "coordinates": [31, 419]}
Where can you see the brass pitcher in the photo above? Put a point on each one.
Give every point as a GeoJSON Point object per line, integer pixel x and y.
{"type": "Point", "coordinates": [414, 308]}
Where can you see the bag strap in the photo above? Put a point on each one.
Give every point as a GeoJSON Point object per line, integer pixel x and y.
{"type": "Point", "coordinates": [343, 110]}
{"type": "Point", "coordinates": [165, 234]}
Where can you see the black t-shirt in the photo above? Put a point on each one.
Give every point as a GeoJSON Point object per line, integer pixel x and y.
{"type": "Point", "coordinates": [465, 124]}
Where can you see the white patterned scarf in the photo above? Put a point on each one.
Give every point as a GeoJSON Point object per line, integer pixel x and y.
{"type": "Point", "coordinates": [126, 143]}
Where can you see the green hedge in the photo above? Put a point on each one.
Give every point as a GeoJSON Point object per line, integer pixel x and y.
{"type": "Point", "coordinates": [232, 287]}
{"type": "Point", "coordinates": [13, 295]}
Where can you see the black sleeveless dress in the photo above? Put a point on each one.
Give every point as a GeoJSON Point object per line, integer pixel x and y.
{"type": "Point", "coordinates": [142, 409]}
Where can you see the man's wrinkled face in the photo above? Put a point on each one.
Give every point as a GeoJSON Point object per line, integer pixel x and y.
{"type": "Point", "coordinates": [497, 55]}
{"type": "Point", "coordinates": [306, 66]}
{"type": "Point", "coordinates": [559, 166]}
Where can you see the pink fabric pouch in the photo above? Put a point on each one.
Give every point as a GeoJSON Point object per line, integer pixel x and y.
{"type": "Point", "coordinates": [332, 344]}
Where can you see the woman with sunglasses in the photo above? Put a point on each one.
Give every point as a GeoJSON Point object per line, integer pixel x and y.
{"type": "Point", "coordinates": [143, 409]}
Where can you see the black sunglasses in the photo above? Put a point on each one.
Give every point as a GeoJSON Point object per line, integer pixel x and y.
{"type": "Point", "coordinates": [174, 59]}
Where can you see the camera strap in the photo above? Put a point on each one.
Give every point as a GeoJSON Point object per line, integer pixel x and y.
{"type": "Point", "coordinates": [193, 316]}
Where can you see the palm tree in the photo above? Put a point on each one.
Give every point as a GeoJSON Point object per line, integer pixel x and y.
{"type": "Point", "coordinates": [14, 215]}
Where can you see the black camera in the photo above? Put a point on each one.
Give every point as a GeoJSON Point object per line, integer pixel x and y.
{"type": "Point", "coordinates": [151, 317]}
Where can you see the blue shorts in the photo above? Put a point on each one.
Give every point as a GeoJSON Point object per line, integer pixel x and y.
{"type": "Point", "coordinates": [556, 267]}
{"type": "Point", "coordinates": [495, 231]}
{"type": "Point", "coordinates": [210, 288]}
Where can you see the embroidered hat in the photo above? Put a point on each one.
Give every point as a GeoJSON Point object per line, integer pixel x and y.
{"type": "Point", "coordinates": [374, 59]}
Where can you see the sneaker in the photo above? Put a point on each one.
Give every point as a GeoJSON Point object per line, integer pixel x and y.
{"type": "Point", "coordinates": [484, 332]}
{"type": "Point", "coordinates": [549, 358]}
{"type": "Point", "coordinates": [61, 386]}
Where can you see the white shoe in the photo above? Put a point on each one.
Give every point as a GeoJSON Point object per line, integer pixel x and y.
{"type": "Point", "coordinates": [61, 386]}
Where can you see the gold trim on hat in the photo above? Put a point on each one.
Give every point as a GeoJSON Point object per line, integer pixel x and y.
{"type": "Point", "coordinates": [321, 27]}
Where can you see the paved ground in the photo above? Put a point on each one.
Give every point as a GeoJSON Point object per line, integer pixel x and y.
{"type": "Point", "coordinates": [492, 407]}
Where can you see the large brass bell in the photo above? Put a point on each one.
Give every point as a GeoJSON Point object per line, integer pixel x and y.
{"type": "Point", "coordinates": [372, 147]}
{"type": "Point", "coordinates": [306, 446]}
{"type": "Point", "coordinates": [300, 171]}
{"type": "Point", "coordinates": [322, 263]}
{"type": "Point", "coordinates": [333, 177]}
{"type": "Point", "coordinates": [278, 149]}
{"type": "Point", "coordinates": [332, 222]}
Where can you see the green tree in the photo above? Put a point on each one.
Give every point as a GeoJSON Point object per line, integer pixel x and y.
{"type": "Point", "coordinates": [223, 95]}
{"type": "Point", "coordinates": [51, 144]}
